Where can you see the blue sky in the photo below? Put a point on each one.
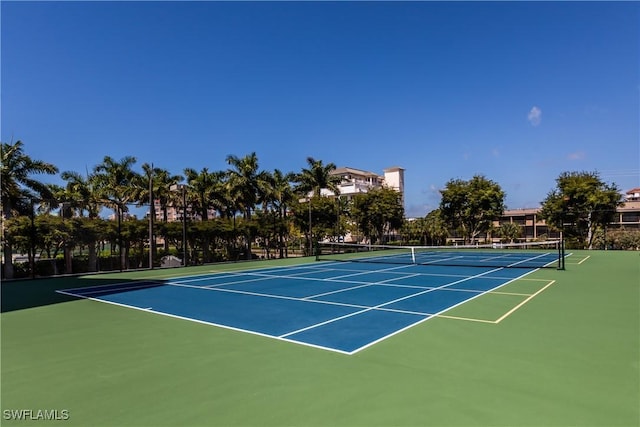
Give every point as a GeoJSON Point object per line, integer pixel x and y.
{"type": "Point", "coordinates": [516, 91]}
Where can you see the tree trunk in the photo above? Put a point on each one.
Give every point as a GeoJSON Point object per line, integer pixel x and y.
{"type": "Point", "coordinates": [590, 233]}
{"type": "Point", "coordinates": [7, 249]}
{"type": "Point", "coordinates": [68, 260]}
{"type": "Point", "coordinates": [8, 261]}
{"type": "Point", "coordinates": [93, 256]}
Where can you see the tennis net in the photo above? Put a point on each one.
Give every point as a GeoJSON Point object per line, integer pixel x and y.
{"type": "Point", "coordinates": [513, 255]}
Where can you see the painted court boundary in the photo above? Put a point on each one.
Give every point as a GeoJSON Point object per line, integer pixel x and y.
{"type": "Point", "coordinates": [182, 282]}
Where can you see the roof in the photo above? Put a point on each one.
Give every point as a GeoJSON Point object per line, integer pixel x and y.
{"type": "Point", "coordinates": [630, 206]}
{"type": "Point", "coordinates": [344, 170]}
{"type": "Point", "coordinates": [521, 211]}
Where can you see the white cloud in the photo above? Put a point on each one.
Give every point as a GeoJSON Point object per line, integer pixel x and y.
{"type": "Point", "coordinates": [535, 116]}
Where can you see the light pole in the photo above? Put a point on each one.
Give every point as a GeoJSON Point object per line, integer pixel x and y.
{"type": "Point", "coordinates": [308, 200]}
{"type": "Point", "coordinates": [310, 231]}
{"type": "Point", "coordinates": [183, 189]}
{"type": "Point", "coordinates": [152, 214]}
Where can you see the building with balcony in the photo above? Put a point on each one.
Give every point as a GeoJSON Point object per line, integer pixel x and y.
{"type": "Point", "coordinates": [633, 195]}
{"type": "Point", "coordinates": [533, 227]}
{"type": "Point", "coordinates": [356, 181]}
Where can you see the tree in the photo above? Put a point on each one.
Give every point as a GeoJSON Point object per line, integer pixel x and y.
{"type": "Point", "coordinates": [509, 231]}
{"type": "Point", "coordinates": [247, 186]}
{"type": "Point", "coordinates": [378, 212]}
{"type": "Point", "coordinates": [413, 230]}
{"type": "Point", "coordinates": [161, 182]}
{"type": "Point", "coordinates": [203, 194]}
{"type": "Point", "coordinates": [115, 185]}
{"type": "Point", "coordinates": [436, 228]}
{"type": "Point", "coordinates": [317, 177]}
{"type": "Point", "coordinates": [82, 190]}
{"type": "Point", "coordinates": [64, 199]}
{"type": "Point", "coordinates": [322, 213]}
{"type": "Point", "coordinates": [18, 187]}
{"type": "Point", "coordinates": [471, 206]}
{"type": "Point", "coordinates": [279, 195]}
{"type": "Point", "coordinates": [580, 204]}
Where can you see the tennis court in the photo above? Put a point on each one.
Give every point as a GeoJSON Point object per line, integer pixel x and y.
{"type": "Point", "coordinates": [339, 306]}
{"type": "Point", "coordinates": [568, 356]}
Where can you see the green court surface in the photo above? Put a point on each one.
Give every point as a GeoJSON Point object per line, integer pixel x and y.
{"type": "Point", "coordinates": [555, 348]}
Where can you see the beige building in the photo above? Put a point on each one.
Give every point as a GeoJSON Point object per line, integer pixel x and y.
{"type": "Point", "coordinates": [627, 216]}
{"type": "Point", "coordinates": [174, 213]}
{"type": "Point", "coordinates": [355, 181]}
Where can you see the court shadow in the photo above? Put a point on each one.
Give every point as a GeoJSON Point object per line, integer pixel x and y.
{"type": "Point", "coordinates": [23, 294]}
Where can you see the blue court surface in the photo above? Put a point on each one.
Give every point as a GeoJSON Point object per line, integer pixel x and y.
{"type": "Point", "coordinates": [337, 306]}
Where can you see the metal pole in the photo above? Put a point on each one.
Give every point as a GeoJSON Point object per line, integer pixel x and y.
{"type": "Point", "coordinates": [310, 231]}
{"type": "Point", "coordinates": [32, 246]}
{"type": "Point", "coordinates": [184, 226]}
{"type": "Point", "coordinates": [561, 247]}
{"type": "Point", "coordinates": [152, 215]}
{"type": "Point", "coordinates": [337, 218]}
{"type": "Point", "coordinates": [119, 236]}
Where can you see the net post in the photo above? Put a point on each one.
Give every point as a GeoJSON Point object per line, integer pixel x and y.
{"type": "Point", "coordinates": [561, 254]}
{"type": "Point", "coordinates": [413, 255]}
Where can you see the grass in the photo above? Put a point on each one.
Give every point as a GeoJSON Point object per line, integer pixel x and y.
{"type": "Point", "coordinates": [569, 356]}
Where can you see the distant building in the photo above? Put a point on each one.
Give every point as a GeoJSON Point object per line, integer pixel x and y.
{"type": "Point", "coordinates": [174, 213]}
{"type": "Point", "coordinates": [632, 195]}
{"type": "Point", "coordinates": [357, 181]}
{"type": "Point", "coordinates": [125, 216]}
{"type": "Point", "coordinates": [627, 216]}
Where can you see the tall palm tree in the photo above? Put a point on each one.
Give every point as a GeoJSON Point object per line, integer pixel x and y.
{"type": "Point", "coordinates": [115, 184]}
{"type": "Point", "coordinates": [84, 198]}
{"type": "Point", "coordinates": [161, 181]}
{"type": "Point", "coordinates": [66, 202]}
{"type": "Point", "coordinates": [17, 187]}
{"type": "Point", "coordinates": [247, 186]}
{"type": "Point", "coordinates": [203, 189]}
{"type": "Point", "coordinates": [312, 180]}
{"type": "Point", "coordinates": [317, 177]}
{"type": "Point", "coordinates": [280, 195]}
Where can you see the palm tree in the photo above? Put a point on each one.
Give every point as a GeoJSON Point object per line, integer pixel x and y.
{"type": "Point", "coordinates": [313, 180]}
{"type": "Point", "coordinates": [65, 200]}
{"type": "Point", "coordinates": [84, 197]}
{"type": "Point", "coordinates": [204, 189]}
{"type": "Point", "coordinates": [115, 180]}
{"type": "Point", "coordinates": [317, 177]}
{"type": "Point", "coordinates": [509, 232]}
{"type": "Point", "coordinates": [247, 186]}
{"type": "Point", "coordinates": [280, 195]}
{"type": "Point", "coordinates": [18, 187]}
{"type": "Point", "coordinates": [161, 181]}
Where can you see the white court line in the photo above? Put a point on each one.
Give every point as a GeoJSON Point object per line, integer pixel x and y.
{"type": "Point", "coordinates": [190, 319]}
{"type": "Point", "coordinates": [380, 283]}
{"type": "Point", "coordinates": [435, 315]}
{"type": "Point", "coordinates": [531, 259]}
{"type": "Point", "coordinates": [386, 303]}
{"type": "Point", "coordinates": [284, 336]}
